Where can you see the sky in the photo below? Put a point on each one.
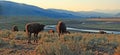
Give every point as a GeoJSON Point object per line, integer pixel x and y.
{"type": "Point", "coordinates": [74, 5]}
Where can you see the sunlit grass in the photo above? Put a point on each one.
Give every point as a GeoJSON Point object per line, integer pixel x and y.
{"type": "Point", "coordinates": [68, 44]}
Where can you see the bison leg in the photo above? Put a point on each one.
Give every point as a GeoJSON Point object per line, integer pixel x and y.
{"type": "Point", "coordinates": [29, 37]}
{"type": "Point", "coordinates": [60, 33]}
{"type": "Point", "coordinates": [36, 37]}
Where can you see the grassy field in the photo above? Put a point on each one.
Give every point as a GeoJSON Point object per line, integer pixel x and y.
{"type": "Point", "coordinates": [76, 43]}
{"type": "Point", "coordinates": [15, 43]}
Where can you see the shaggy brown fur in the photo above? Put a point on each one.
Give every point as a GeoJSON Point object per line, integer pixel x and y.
{"type": "Point", "coordinates": [61, 28]}
{"type": "Point", "coordinates": [51, 31]}
{"type": "Point", "coordinates": [34, 28]}
{"type": "Point", "coordinates": [14, 28]}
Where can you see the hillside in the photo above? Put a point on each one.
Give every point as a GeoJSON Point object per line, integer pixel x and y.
{"type": "Point", "coordinates": [84, 14]}
{"type": "Point", "coordinates": [8, 8]}
{"type": "Point", "coordinates": [16, 9]}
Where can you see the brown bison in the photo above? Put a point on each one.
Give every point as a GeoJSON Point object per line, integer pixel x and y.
{"type": "Point", "coordinates": [61, 28]}
{"type": "Point", "coordinates": [34, 28]}
{"type": "Point", "coordinates": [14, 28]}
{"type": "Point", "coordinates": [102, 32]}
{"type": "Point", "coordinates": [51, 31]}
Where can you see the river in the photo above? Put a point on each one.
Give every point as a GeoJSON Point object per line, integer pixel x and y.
{"type": "Point", "coordinates": [82, 30]}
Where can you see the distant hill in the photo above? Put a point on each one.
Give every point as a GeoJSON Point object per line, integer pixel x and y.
{"type": "Point", "coordinates": [8, 8]}
{"type": "Point", "coordinates": [85, 14]}
{"type": "Point", "coordinates": [118, 14]}
{"type": "Point", "coordinates": [16, 9]}
{"type": "Point", "coordinates": [115, 11]}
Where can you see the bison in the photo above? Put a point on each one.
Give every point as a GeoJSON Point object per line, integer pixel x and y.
{"type": "Point", "coordinates": [14, 28]}
{"type": "Point", "coordinates": [51, 31]}
{"type": "Point", "coordinates": [102, 32]}
{"type": "Point", "coordinates": [61, 28]}
{"type": "Point", "coordinates": [34, 28]}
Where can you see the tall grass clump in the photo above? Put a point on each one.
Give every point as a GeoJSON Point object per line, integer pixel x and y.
{"type": "Point", "coordinates": [5, 33]}
{"type": "Point", "coordinates": [20, 36]}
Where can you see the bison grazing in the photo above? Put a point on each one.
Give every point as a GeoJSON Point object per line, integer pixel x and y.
{"type": "Point", "coordinates": [34, 28]}
{"type": "Point", "coordinates": [51, 31]}
{"type": "Point", "coordinates": [14, 28]}
{"type": "Point", "coordinates": [61, 28]}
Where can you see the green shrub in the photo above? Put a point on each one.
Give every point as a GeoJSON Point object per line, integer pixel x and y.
{"type": "Point", "coordinates": [12, 43]}
{"type": "Point", "coordinates": [102, 45]}
{"type": "Point", "coordinates": [77, 38]}
{"type": "Point", "coordinates": [2, 42]}
{"type": "Point", "coordinates": [67, 38]}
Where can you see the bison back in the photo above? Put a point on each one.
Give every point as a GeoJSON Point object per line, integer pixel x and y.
{"type": "Point", "coordinates": [34, 27]}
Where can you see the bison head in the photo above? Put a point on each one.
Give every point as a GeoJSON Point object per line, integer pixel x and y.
{"type": "Point", "coordinates": [42, 26]}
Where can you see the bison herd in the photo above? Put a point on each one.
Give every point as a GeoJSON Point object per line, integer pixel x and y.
{"type": "Point", "coordinates": [35, 28]}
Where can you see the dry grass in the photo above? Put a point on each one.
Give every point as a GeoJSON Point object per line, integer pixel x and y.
{"type": "Point", "coordinates": [15, 43]}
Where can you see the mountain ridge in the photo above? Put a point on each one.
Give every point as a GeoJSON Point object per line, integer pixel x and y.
{"type": "Point", "coordinates": [9, 8]}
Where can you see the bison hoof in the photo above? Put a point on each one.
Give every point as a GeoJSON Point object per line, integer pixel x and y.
{"type": "Point", "coordinates": [29, 43]}
{"type": "Point", "coordinates": [36, 41]}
